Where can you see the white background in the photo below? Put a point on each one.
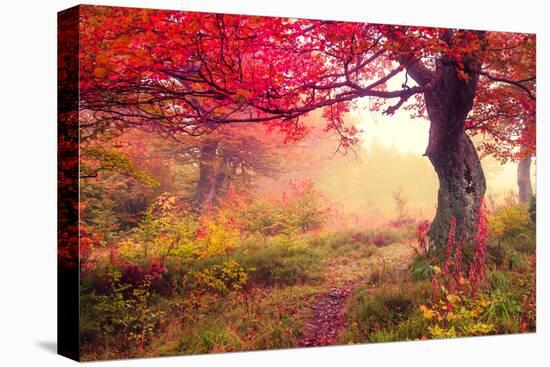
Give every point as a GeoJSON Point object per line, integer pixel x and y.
{"type": "Point", "coordinates": [28, 182]}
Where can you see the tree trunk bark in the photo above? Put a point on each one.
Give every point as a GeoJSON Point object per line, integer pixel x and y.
{"type": "Point", "coordinates": [461, 180]}
{"type": "Point", "coordinates": [205, 192]}
{"type": "Point", "coordinates": [524, 180]}
{"type": "Point", "coordinates": [461, 188]}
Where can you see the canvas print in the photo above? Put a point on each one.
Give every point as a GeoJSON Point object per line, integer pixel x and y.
{"type": "Point", "coordinates": [237, 183]}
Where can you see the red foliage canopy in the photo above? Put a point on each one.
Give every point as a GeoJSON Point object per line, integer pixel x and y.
{"type": "Point", "coordinates": [180, 72]}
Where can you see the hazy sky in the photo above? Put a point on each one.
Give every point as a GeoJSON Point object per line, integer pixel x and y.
{"type": "Point", "coordinates": [409, 135]}
{"type": "Point", "coordinates": [399, 131]}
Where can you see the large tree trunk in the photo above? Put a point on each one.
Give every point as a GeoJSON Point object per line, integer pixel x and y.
{"type": "Point", "coordinates": [524, 180]}
{"type": "Point", "coordinates": [206, 191]}
{"type": "Point", "coordinates": [453, 155]}
{"type": "Point", "coordinates": [461, 188]}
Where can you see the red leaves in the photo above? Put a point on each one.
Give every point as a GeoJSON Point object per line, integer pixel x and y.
{"type": "Point", "coordinates": [200, 70]}
{"type": "Point", "coordinates": [453, 266]}
{"type": "Point", "coordinates": [292, 131]}
{"type": "Point", "coordinates": [334, 115]}
{"type": "Point", "coordinates": [100, 72]}
{"type": "Point", "coordinates": [503, 111]}
{"type": "Point", "coordinates": [422, 237]}
{"type": "Point", "coordinates": [327, 320]}
{"type": "Point", "coordinates": [477, 268]}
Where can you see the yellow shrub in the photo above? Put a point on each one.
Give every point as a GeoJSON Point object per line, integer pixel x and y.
{"type": "Point", "coordinates": [457, 315]}
{"type": "Point", "coordinates": [217, 235]}
{"type": "Point", "coordinates": [224, 277]}
{"type": "Point", "coordinates": [128, 249]}
{"type": "Point", "coordinates": [508, 222]}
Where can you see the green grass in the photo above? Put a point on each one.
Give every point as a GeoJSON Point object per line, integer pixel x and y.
{"type": "Point", "coordinates": [388, 312]}
{"type": "Point", "coordinates": [264, 319]}
{"type": "Point", "coordinates": [421, 268]}
{"type": "Point", "coordinates": [344, 241]}
{"type": "Point", "coordinates": [284, 276]}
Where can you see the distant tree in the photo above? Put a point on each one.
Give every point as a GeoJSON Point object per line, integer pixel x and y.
{"type": "Point", "coordinates": [524, 180]}
{"type": "Point", "coordinates": [401, 202]}
{"type": "Point", "coordinates": [234, 156]}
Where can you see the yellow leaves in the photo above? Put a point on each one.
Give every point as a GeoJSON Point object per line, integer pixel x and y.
{"type": "Point", "coordinates": [484, 303]}
{"type": "Point", "coordinates": [478, 328]}
{"type": "Point", "coordinates": [166, 202]}
{"type": "Point", "coordinates": [145, 178]}
{"type": "Point", "coordinates": [128, 249]}
{"type": "Point", "coordinates": [440, 332]}
{"type": "Point", "coordinates": [496, 227]}
{"type": "Point", "coordinates": [218, 235]}
{"type": "Point", "coordinates": [229, 275]}
{"type": "Point", "coordinates": [453, 299]}
{"type": "Point", "coordinates": [508, 222]}
{"type": "Point", "coordinates": [113, 160]}
{"type": "Point", "coordinates": [427, 313]}
{"type": "Point", "coordinates": [457, 315]}
{"type": "Point", "coordinates": [296, 246]}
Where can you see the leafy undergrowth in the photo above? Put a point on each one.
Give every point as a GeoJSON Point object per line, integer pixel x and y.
{"type": "Point", "coordinates": [249, 292]}
{"type": "Point", "coordinates": [385, 313]}
{"type": "Point", "coordinates": [434, 302]}
{"type": "Point", "coordinates": [262, 295]}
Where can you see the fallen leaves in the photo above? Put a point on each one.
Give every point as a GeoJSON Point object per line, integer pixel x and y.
{"type": "Point", "coordinates": [328, 319]}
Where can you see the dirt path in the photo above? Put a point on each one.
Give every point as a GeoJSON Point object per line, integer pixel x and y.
{"type": "Point", "coordinates": [344, 274]}
{"type": "Point", "coordinates": [328, 319]}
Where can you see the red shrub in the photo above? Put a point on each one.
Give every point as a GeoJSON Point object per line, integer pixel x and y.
{"type": "Point", "coordinates": [155, 269]}
{"type": "Point", "coordinates": [132, 274]}
{"type": "Point", "coordinates": [422, 237]}
{"type": "Point", "coordinates": [477, 268]}
{"type": "Point", "coordinates": [453, 266]}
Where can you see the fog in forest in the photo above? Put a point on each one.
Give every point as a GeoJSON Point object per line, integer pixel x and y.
{"type": "Point", "coordinates": [362, 182]}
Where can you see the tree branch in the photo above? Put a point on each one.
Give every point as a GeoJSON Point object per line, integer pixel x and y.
{"type": "Point", "coordinates": [516, 83]}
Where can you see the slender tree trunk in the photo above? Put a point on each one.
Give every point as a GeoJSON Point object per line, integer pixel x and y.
{"type": "Point", "coordinates": [220, 181]}
{"type": "Point", "coordinates": [524, 180]}
{"type": "Point", "coordinates": [453, 155]}
{"type": "Point", "coordinates": [205, 192]}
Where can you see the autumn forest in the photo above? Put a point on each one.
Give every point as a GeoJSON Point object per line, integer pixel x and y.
{"type": "Point", "coordinates": [247, 183]}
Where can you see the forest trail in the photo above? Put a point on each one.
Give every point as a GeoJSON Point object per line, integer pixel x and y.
{"type": "Point", "coordinates": [328, 318]}
{"type": "Point", "coordinates": [344, 274]}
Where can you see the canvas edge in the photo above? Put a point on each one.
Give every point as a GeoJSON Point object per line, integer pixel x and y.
{"type": "Point", "coordinates": [68, 241]}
